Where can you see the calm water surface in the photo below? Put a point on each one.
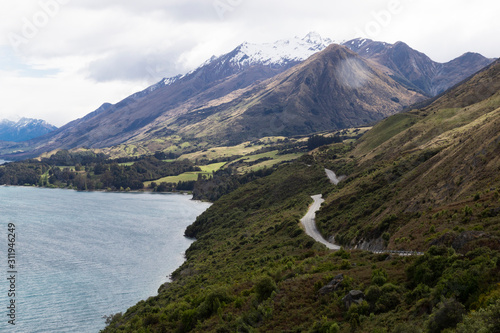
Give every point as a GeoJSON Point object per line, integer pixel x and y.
{"type": "Point", "coordinates": [81, 255]}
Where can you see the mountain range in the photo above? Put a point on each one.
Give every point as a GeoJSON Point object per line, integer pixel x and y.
{"type": "Point", "coordinates": [24, 129]}
{"type": "Point", "coordinates": [287, 88]}
{"type": "Point", "coordinates": [415, 69]}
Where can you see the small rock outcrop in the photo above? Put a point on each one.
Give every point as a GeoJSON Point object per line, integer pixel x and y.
{"type": "Point", "coordinates": [332, 285]}
{"type": "Point", "coordinates": [462, 240]}
{"type": "Point", "coordinates": [354, 296]}
{"type": "Point", "coordinates": [467, 241]}
{"type": "Point", "coordinates": [371, 245]}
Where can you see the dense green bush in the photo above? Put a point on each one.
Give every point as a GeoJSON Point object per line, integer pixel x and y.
{"type": "Point", "coordinates": [447, 314]}
{"type": "Point", "coordinates": [486, 320]}
{"type": "Point", "coordinates": [264, 288]}
{"type": "Point", "coordinates": [379, 277]}
{"type": "Point", "coordinates": [324, 326]}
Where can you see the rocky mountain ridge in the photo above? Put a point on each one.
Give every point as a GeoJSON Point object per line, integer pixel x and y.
{"type": "Point", "coordinates": [24, 129]}
{"type": "Point", "coordinates": [415, 69]}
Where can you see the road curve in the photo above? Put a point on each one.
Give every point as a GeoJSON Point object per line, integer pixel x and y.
{"type": "Point", "coordinates": [333, 177]}
{"type": "Point", "coordinates": [309, 223]}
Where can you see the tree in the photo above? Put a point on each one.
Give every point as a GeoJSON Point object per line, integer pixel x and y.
{"type": "Point", "coordinates": [447, 314]}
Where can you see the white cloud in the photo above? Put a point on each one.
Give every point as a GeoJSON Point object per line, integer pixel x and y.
{"type": "Point", "coordinates": [92, 51]}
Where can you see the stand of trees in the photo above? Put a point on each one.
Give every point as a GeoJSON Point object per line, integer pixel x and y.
{"type": "Point", "coordinates": [89, 171]}
{"type": "Point", "coordinates": [316, 141]}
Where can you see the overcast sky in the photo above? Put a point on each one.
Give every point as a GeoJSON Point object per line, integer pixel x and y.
{"type": "Point", "coordinates": [61, 59]}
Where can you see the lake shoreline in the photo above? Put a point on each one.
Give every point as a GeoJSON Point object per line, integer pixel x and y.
{"type": "Point", "coordinates": [148, 191]}
{"type": "Point", "coordinates": [116, 227]}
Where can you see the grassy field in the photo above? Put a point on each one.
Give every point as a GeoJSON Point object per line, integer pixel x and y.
{"type": "Point", "coordinates": [275, 159]}
{"type": "Point", "coordinates": [62, 167]}
{"type": "Point", "coordinates": [212, 167]}
{"type": "Point", "coordinates": [189, 176]}
{"type": "Point", "coordinates": [213, 153]}
{"type": "Point", "coordinates": [386, 130]}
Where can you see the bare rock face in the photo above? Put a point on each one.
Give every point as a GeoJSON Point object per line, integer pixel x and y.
{"type": "Point", "coordinates": [467, 241]}
{"type": "Point", "coordinates": [371, 245]}
{"type": "Point", "coordinates": [332, 285]}
{"type": "Point", "coordinates": [353, 297]}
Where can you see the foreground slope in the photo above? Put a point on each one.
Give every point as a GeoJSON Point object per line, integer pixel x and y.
{"type": "Point", "coordinates": [423, 180]}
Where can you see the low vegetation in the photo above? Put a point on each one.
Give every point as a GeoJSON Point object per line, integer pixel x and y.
{"type": "Point", "coordinates": [182, 166]}
{"type": "Point", "coordinates": [252, 269]}
{"type": "Point", "coordinates": [426, 180]}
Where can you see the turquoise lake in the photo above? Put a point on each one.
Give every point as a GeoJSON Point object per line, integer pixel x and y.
{"type": "Point", "coordinates": [83, 255]}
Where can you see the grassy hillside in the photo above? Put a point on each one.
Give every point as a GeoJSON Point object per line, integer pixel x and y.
{"type": "Point", "coordinates": [252, 269]}
{"type": "Point", "coordinates": [426, 180]}
{"type": "Point", "coordinates": [423, 177]}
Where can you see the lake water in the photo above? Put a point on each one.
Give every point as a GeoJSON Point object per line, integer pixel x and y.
{"type": "Point", "coordinates": [3, 161]}
{"type": "Point", "coordinates": [83, 255]}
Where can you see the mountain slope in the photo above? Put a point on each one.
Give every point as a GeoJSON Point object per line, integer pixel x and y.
{"type": "Point", "coordinates": [416, 69]}
{"type": "Point", "coordinates": [437, 165]}
{"type": "Point", "coordinates": [259, 90]}
{"type": "Point", "coordinates": [114, 124]}
{"type": "Point", "coordinates": [331, 90]}
{"type": "Point", "coordinates": [24, 129]}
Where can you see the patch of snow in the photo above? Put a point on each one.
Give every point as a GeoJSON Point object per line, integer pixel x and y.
{"type": "Point", "coordinates": [268, 54]}
{"type": "Point", "coordinates": [281, 52]}
{"type": "Point", "coordinates": [170, 80]}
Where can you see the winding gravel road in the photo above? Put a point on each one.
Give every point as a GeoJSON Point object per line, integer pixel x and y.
{"type": "Point", "coordinates": [309, 223]}
{"type": "Point", "coordinates": [333, 177]}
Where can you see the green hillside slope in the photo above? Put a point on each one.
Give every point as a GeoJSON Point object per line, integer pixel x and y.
{"type": "Point", "coordinates": [430, 169]}
{"type": "Point", "coordinates": [426, 180]}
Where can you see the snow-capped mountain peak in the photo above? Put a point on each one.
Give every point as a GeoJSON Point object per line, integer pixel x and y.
{"type": "Point", "coordinates": [280, 52]}
{"type": "Point", "coordinates": [315, 38]}
{"type": "Point", "coordinates": [23, 129]}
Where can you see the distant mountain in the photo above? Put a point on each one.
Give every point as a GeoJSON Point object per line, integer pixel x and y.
{"type": "Point", "coordinates": [277, 56]}
{"type": "Point", "coordinates": [417, 70]}
{"type": "Point", "coordinates": [220, 76]}
{"type": "Point", "coordinates": [24, 129]}
{"type": "Point", "coordinates": [331, 90]}
{"type": "Point", "coordinates": [263, 89]}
